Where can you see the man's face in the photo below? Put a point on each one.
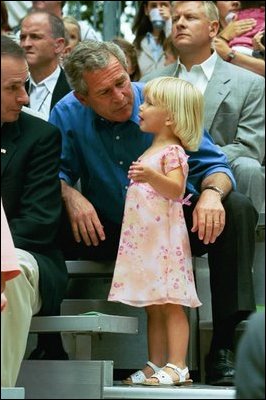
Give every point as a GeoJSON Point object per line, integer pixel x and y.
{"type": "Point", "coordinates": [109, 92]}
{"type": "Point", "coordinates": [50, 6]}
{"type": "Point", "coordinates": [225, 7]}
{"type": "Point", "coordinates": [36, 38]}
{"type": "Point", "coordinates": [191, 30]}
{"type": "Point", "coordinates": [14, 74]}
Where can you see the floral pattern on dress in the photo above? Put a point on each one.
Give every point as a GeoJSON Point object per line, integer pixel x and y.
{"type": "Point", "coordinates": [154, 262]}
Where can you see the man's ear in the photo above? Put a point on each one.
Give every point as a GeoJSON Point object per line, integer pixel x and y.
{"type": "Point", "coordinates": [213, 28]}
{"type": "Point", "coordinates": [59, 45]}
{"type": "Point", "coordinates": [82, 99]}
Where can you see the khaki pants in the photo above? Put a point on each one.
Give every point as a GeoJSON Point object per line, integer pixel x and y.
{"type": "Point", "coordinates": [23, 301]}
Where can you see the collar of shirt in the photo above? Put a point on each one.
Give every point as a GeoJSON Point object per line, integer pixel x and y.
{"type": "Point", "coordinates": [48, 82]}
{"type": "Point", "coordinates": [41, 93]}
{"type": "Point", "coordinates": [200, 74]}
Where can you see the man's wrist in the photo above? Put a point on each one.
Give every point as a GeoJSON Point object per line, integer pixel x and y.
{"type": "Point", "coordinates": [224, 38]}
{"type": "Point", "coordinates": [215, 189]}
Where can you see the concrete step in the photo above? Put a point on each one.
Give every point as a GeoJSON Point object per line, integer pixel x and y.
{"type": "Point", "coordinates": [194, 391]}
{"type": "Point", "coordinates": [85, 324]}
{"type": "Point", "coordinates": [12, 393]}
{"type": "Point", "coordinates": [58, 379]}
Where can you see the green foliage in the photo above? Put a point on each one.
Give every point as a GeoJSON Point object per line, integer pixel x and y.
{"type": "Point", "coordinates": [92, 11]}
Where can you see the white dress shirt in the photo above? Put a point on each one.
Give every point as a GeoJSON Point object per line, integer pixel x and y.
{"type": "Point", "coordinates": [200, 74]}
{"type": "Point", "coordinates": [41, 93]}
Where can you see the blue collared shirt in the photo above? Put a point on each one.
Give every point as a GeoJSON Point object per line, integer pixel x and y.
{"type": "Point", "coordinates": [99, 153]}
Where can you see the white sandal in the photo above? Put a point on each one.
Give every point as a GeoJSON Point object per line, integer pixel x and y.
{"type": "Point", "coordinates": [163, 378]}
{"type": "Point", "coordinates": [139, 377]}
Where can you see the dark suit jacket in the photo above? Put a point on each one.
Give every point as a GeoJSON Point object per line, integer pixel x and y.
{"type": "Point", "coordinates": [61, 89]}
{"type": "Point", "coordinates": [31, 195]}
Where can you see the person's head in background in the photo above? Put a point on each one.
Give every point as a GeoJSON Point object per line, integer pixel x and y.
{"type": "Point", "coordinates": [170, 51]}
{"type": "Point", "coordinates": [225, 9]}
{"type": "Point", "coordinates": [131, 56]}
{"type": "Point", "coordinates": [54, 7]}
{"type": "Point", "coordinates": [5, 28]}
{"type": "Point", "coordinates": [142, 23]}
{"type": "Point", "coordinates": [42, 36]}
{"type": "Point", "coordinates": [195, 24]}
{"type": "Point", "coordinates": [72, 27]}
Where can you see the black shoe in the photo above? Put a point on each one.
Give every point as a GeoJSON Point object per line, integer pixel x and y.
{"type": "Point", "coordinates": [41, 354]}
{"type": "Point", "coordinates": [219, 367]}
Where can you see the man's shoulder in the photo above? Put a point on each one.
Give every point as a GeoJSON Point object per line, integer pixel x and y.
{"type": "Point", "coordinates": [68, 101]}
{"type": "Point", "coordinates": [169, 70]}
{"type": "Point", "coordinates": [28, 123]}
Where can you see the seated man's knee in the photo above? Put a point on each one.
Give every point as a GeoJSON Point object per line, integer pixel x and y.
{"type": "Point", "coordinates": [237, 204]}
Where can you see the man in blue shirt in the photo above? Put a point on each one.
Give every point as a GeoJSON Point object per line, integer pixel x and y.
{"type": "Point", "coordinates": [101, 138]}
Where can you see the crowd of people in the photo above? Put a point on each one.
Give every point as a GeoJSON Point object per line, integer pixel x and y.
{"type": "Point", "coordinates": [165, 138]}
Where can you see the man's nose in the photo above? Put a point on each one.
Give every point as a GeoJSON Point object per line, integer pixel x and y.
{"type": "Point", "coordinates": [23, 97]}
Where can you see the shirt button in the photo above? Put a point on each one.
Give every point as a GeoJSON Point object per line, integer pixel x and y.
{"type": "Point", "coordinates": [121, 162]}
{"type": "Point", "coordinates": [117, 137]}
{"type": "Point", "coordinates": [126, 187]}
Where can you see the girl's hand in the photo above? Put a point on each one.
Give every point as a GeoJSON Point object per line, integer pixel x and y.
{"type": "Point", "coordinates": [140, 173]}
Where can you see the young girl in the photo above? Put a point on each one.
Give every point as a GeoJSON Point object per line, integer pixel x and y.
{"type": "Point", "coordinates": [154, 265]}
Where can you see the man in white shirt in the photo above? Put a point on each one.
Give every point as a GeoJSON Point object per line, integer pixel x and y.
{"type": "Point", "coordinates": [234, 116]}
{"type": "Point", "coordinates": [43, 38]}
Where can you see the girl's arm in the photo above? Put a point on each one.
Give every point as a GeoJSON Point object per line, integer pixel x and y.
{"type": "Point", "coordinates": [171, 185]}
{"type": "Point", "coordinates": [242, 60]}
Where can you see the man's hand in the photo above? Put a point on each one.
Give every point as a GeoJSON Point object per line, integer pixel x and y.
{"type": "Point", "coordinates": [208, 216]}
{"type": "Point", "coordinates": [84, 220]}
{"type": "Point", "coordinates": [237, 28]}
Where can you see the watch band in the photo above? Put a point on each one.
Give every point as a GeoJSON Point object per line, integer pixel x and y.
{"type": "Point", "coordinates": [216, 189]}
{"type": "Point", "coordinates": [231, 55]}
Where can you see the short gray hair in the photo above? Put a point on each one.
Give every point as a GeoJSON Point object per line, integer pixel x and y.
{"type": "Point", "coordinates": [90, 55]}
{"type": "Point", "coordinates": [56, 24]}
{"type": "Point", "coordinates": [211, 10]}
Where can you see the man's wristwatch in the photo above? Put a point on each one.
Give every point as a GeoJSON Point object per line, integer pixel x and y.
{"type": "Point", "coordinates": [231, 55]}
{"type": "Point", "coordinates": [216, 189]}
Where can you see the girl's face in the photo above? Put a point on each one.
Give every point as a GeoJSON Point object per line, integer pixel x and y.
{"type": "Point", "coordinates": [152, 118]}
{"type": "Point", "coordinates": [156, 4]}
{"type": "Point", "coordinates": [73, 34]}
{"type": "Point", "coordinates": [225, 7]}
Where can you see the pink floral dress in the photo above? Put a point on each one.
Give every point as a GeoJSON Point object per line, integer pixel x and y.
{"type": "Point", "coordinates": [154, 263]}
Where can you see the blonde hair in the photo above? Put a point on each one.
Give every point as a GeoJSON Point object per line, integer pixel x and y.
{"type": "Point", "coordinates": [185, 104]}
{"type": "Point", "coordinates": [210, 9]}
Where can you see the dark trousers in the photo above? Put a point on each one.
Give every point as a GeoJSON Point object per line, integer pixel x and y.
{"type": "Point", "coordinates": [230, 258]}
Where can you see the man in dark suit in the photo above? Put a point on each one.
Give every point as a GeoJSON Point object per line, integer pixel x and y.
{"type": "Point", "coordinates": [30, 188]}
{"type": "Point", "coordinates": [43, 38]}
